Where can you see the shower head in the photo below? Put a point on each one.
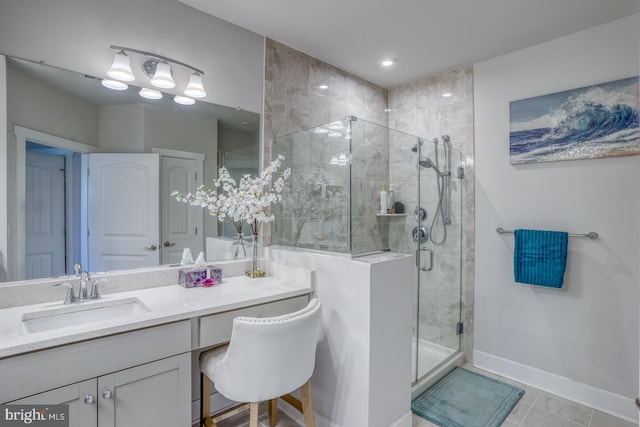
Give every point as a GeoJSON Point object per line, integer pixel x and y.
{"type": "Point", "coordinates": [415, 147]}
{"type": "Point", "coordinates": [428, 163]}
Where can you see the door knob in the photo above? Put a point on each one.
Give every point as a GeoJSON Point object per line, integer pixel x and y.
{"type": "Point", "coordinates": [89, 398]}
{"type": "Point", "coordinates": [151, 248]}
{"type": "Point", "coordinates": [168, 244]}
{"type": "Point", "coordinates": [107, 394]}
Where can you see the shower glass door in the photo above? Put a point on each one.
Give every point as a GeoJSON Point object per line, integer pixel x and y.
{"type": "Point", "coordinates": [437, 238]}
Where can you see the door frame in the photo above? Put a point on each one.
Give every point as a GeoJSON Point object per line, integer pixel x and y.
{"type": "Point", "coordinates": [23, 135]}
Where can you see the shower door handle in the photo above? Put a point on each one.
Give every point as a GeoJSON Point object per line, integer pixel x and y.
{"type": "Point", "coordinates": [430, 259]}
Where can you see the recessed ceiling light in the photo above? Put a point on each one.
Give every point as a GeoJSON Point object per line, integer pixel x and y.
{"type": "Point", "coordinates": [321, 130]}
{"type": "Point", "coordinates": [335, 134]}
{"type": "Point", "coordinates": [244, 123]}
{"type": "Point", "coordinates": [388, 62]}
{"type": "Point", "coordinates": [387, 110]}
{"type": "Point", "coordinates": [336, 126]}
{"type": "Point", "coordinates": [447, 95]}
{"type": "Point", "coordinates": [323, 87]}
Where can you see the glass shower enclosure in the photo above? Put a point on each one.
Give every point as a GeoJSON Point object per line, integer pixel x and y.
{"type": "Point", "coordinates": [332, 203]}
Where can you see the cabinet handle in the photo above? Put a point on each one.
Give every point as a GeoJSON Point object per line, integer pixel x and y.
{"type": "Point", "coordinates": [107, 394]}
{"type": "Point", "coordinates": [89, 398]}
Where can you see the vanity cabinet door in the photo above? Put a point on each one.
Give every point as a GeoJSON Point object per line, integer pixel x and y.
{"type": "Point", "coordinates": [154, 394]}
{"type": "Point", "coordinates": [81, 398]}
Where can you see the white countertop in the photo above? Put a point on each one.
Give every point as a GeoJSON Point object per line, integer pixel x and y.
{"type": "Point", "coordinates": [166, 304]}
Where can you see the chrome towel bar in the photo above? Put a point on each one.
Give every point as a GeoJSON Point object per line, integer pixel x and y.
{"type": "Point", "coordinates": [590, 235]}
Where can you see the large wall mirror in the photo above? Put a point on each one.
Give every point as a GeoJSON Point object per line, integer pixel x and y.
{"type": "Point", "coordinates": [91, 170]}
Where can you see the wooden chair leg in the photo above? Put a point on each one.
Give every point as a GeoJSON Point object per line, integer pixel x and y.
{"type": "Point", "coordinates": [205, 401]}
{"type": "Point", "coordinates": [273, 412]}
{"type": "Point", "coordinates": [307, 407]}
{"type": "Point", "coordinates": [253, 414]}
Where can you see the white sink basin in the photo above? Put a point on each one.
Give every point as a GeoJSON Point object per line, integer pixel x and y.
{"type": "Point", "coordinates": [80, 314]}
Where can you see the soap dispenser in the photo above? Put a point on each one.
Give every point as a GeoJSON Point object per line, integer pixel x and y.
{"type": "Point", "coordinates": [383, 199]}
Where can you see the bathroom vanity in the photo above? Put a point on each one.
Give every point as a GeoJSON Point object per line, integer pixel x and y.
{"type": "Point", "coordinates": [126, 359]}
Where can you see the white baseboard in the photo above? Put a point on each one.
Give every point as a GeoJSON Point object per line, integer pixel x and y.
{"type": "Point", "coordinates": [602, 400]}
{"type": "Point", "coordinates": [405, 421]}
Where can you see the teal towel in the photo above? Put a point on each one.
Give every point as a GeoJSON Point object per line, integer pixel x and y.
{"type": "Point", "coordinates": [540, 257]}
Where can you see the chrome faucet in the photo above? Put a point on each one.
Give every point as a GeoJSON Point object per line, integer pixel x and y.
{"type": "Point", "coordinates": [88, 289]}
{"type": "Point", "coordinates": [85, 281]}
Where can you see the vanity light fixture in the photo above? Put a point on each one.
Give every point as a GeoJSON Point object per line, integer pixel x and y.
{"type": "Point", "coordinates": [342, 159]}
{"type": "Point", "coordinates": [194, 88]}
{"type": "Point", "coordinates": [121, 68]}
{"type": "Point", "coordinates": [150, 93]}
{"type": "Point", "coordinates": [162, 77]}
{"type": "Point", "coordinates": [336, 125]}
{"type": "Point", "coordinates": [334, 160]}
{"type": "Point", "coordinates": [114, 84]}
{"type": "Point", "coordinates": [159, 69]}
{"type": "Point", "coordinates": [184, 100]}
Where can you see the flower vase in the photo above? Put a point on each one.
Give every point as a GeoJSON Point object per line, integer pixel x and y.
{"type": "Point", "coordinates": [237, 247]}
{"type": "Point", "coordinates": [254, 270]}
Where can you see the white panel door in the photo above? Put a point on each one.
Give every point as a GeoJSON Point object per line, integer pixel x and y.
{"type": "Point", "coordinates": [123, 211]}
{"type": "Point", "coordinates": [181, 223]}
{"type": "Point", "coordinates": [44, 215]}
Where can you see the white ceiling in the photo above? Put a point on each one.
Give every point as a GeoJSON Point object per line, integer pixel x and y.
{"type": "Point", "coordinates": [424, 36]}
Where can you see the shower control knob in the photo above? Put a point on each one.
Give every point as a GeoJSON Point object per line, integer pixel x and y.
{"type": "Point", "coordinates": [420, 234]}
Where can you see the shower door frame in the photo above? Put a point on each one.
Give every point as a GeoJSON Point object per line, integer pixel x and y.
{"type": "Point", "coordinates": [422, 270]}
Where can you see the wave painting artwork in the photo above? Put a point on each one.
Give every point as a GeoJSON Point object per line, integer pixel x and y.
{"type": "Point", "coordinates": [585, 123]}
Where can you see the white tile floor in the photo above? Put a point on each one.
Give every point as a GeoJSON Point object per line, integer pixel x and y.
{"type": "Point", "coordinates": [535, 409]}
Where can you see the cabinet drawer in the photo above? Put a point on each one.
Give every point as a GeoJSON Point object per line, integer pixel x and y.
{"type": "Point", "coordinates": [31, 373]}
{"type": "Point", "coordinates": [216, 328]}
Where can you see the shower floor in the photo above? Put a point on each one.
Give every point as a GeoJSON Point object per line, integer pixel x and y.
{"type": "Point", "coordinates": [429, 356]}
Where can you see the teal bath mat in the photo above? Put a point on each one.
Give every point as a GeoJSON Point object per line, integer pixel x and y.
{"type": "Point", "coordinates": [467, 399]}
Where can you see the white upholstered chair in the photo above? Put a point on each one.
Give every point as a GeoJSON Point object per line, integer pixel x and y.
{"type": "Point", "coordinates": [267, 358]}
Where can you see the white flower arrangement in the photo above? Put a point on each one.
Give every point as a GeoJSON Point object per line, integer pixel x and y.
{"type": "Point", "coordinates": [248, 201]}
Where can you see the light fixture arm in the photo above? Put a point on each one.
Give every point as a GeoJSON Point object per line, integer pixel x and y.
{"type": "Point", "coordinates": [155, 55]}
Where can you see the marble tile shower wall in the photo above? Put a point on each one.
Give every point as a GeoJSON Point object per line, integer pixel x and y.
{"type": "Point", "coordinates": [420, 109]}
{"type": "Point", "coordinates": [294, 101]}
